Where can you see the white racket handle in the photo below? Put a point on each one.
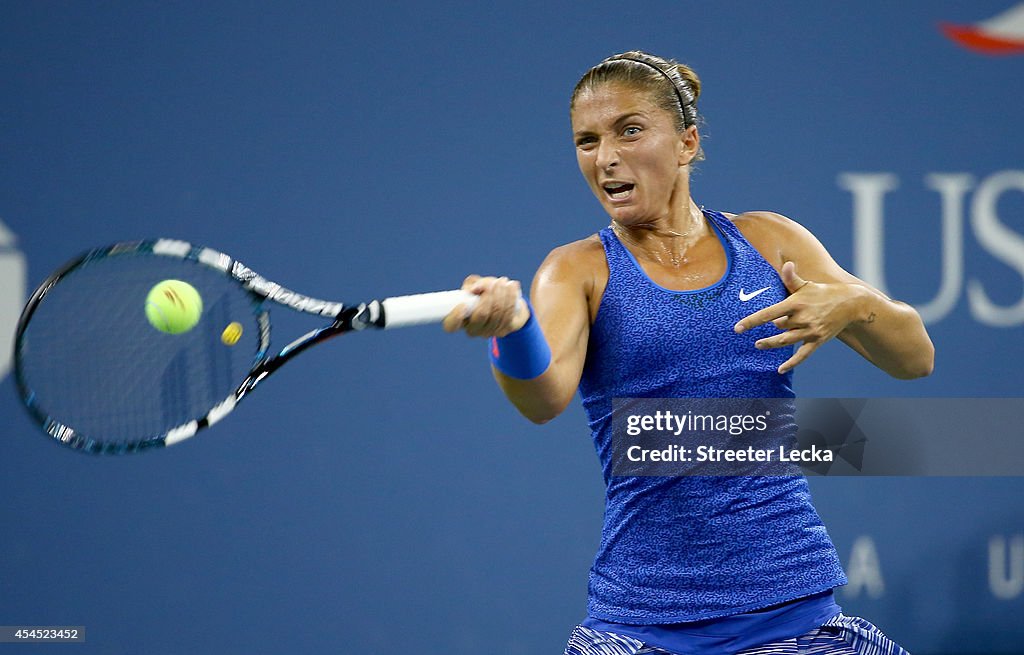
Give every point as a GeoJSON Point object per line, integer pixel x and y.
{"type": "Point", "coordinates": [422, 308]}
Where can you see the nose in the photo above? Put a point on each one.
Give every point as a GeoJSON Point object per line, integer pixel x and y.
{"type": "Point", "coordinates": [607, 155]}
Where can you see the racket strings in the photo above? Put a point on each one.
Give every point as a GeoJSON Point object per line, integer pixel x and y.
{"type": "Point", "coordinates": [90, 359]}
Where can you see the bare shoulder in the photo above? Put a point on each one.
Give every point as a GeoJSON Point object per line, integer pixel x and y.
{"type": "Point", "coordinates": [588, 247]}
{"type": "Point", "coordinates": [576, 259]}
{"type": "Point", "coordinates": [578, 269]}
{"type": "Point", "coordinates": [780, 239]}
{"type": "Point", "coordinates": [772, 234]}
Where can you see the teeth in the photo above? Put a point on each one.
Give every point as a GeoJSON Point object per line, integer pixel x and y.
{"type": "Point", "coordinates": [618, 191]}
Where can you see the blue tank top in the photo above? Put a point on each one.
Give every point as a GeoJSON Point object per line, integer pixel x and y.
{"type": "Point", "coordinates": [681, 549]}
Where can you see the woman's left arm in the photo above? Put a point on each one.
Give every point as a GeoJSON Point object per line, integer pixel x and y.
{"type": "Point", "coordinates": [825, 302]}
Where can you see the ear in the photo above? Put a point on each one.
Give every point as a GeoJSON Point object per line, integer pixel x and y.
{"type": "Point", "coordinates": [689, 145]}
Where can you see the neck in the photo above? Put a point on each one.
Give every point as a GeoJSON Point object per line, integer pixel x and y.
{"type": "Point", "coordinates": [667, 240]}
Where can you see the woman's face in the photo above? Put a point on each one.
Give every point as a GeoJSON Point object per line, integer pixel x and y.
{"type": "Point", "coordinates": [630, 153]}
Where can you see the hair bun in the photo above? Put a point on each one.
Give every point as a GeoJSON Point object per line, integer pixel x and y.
{"type": "Point", "coordinates": [690, 77]}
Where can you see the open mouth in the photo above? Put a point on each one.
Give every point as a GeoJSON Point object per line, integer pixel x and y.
{"type": "Point", "coordinates": [618, 190]}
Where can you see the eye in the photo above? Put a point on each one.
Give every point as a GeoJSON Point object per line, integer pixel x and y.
{"type": "Point", "coordinates": [586, 142]}
{"type": "Point", "coordinates": [632, 130]}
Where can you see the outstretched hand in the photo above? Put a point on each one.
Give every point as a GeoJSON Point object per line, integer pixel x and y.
{"type": "Point", "coordinates": [813, 314]}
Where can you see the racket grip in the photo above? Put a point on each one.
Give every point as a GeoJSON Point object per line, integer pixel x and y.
{"type": "Point", "coordinates": [422, 308]}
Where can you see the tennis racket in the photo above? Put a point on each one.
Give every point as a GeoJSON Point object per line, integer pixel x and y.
{"type": "Point", "coordinates": [98, 377]}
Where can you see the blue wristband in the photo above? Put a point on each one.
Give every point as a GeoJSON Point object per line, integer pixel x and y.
{"type": "Point", "coordinates": [523, 354]}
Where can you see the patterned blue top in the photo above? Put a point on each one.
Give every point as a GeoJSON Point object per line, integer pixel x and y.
{"type": "Point", "coordinates": [676, 549]}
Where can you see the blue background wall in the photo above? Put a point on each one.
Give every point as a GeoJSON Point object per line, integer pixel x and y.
{"type": "Point", "coordinates": [408, 508]}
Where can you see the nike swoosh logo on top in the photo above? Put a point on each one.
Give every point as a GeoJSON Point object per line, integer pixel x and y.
{"type": "Point", "coordinates": [744, 297]}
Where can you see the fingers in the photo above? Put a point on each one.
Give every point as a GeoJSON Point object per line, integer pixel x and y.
{"type": "Point", "coordinates": [780, 310]}
{"type": "Point", "coordinates": [803, 319]}
{"type": "Point", "coordinates": [770, 313]}
{"type": "Point", "coordinates": [495, 308]}
{"type": "Point", "coordinates": [498, 311]}
{"type": "Point", "coordinates": [809, 336]}
{"type": "Point", "coordinates": [790, 278]}
{"type": "Point", "coordinates": [455, 319]}
{"type": "Point", "coordinates": [810, 340]}
{"type": "Point", "coordinates": [801, 354]}
{"type": "Point", "coordinates": [787, 338]}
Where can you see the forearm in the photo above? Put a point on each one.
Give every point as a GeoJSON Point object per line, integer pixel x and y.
{"type": "Point", "coordinates": [889, 334]}
{"type": "Point", "coordinates": [539, 399]}
{"type": "Point", "coordinates": [540, 380]}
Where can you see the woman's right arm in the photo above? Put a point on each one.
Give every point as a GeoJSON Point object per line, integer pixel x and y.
{"type": "Point", "coordinates": [560, 298]}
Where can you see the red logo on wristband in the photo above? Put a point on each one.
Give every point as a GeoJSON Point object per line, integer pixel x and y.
{"type": "Point", "coordinates": [494, 347]}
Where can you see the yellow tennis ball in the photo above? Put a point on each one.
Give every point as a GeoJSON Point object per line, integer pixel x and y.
{"type": "Point", "coordinates": [173, 306]}
{"type": "Point", "coordinates": [231, 334]}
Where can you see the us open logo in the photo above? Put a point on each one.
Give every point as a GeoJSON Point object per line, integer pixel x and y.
{"type": "Point", "coordinates": [12, 295]}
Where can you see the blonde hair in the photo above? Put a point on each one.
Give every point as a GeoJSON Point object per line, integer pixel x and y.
{"type": "Point", "coordinates": [674, 87]}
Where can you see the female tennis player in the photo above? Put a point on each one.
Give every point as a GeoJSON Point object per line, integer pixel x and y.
{"type": "Point", "coordinates": [672, 300]}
